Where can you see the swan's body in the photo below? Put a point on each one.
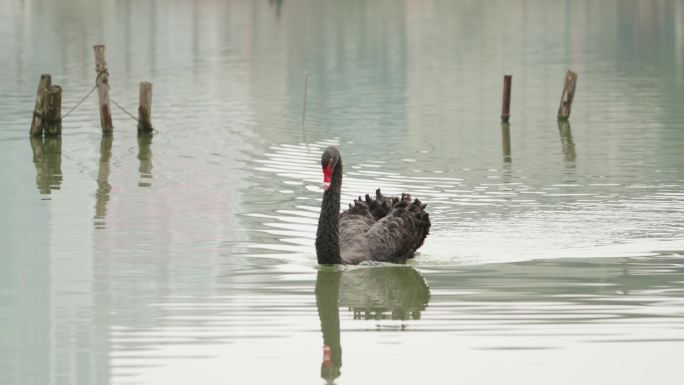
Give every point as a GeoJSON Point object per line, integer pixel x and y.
{"type": "Point", "coordinates": [381, 229]}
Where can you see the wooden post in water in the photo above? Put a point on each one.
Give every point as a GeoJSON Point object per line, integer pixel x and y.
{"type": "Point", "coordinates": [145, 108]}
{"type": "Point", "coordinates": [567, 96]}
{"type": "Point", "coordinates": [103, 89]}
{"type": "Point", "coordinates": [506, 105]}
{"type": "Point", "coordinates": [52, 117]}
{"type": "Point", "coordinates": [38, 111]}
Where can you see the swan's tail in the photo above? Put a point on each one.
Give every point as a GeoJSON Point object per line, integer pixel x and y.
{"type": "Point", "coordinates": [377, 207]}
{"type": "Point", "coordinates": [380, 206]}
{"type": "Point", "coordinates": [419, 218]}
{"type": "Point", "coordinates": [405, 224]}
{"type": "Point", "coordinates": [397, 236]}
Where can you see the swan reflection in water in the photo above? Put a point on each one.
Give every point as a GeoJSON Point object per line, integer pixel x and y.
{"type": "Point", "coordinates": [371, 292]}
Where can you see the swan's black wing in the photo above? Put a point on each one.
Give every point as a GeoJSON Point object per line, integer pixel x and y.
{"type": "Point", "coordinates": [355, 223]}
{"type": "Point", "coordinates": [386, 229]}
{"type": "Point", "coordinates": [396, 236]}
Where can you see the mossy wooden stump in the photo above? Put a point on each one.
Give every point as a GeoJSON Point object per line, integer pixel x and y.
{"type": "Point", "coordinates": [52, 117]}
{"type": "Point", "coordinates": [41, 94]}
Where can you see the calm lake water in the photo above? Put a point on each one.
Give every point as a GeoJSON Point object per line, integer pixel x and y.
{"type": "Point", "coordinates": [556, 253]}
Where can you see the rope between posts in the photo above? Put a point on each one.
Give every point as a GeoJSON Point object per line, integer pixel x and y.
{"type": "Point", "coordinates": [79, 103]}
{"type": "Point", "coordinates": [90, 92]}
{"type": "Point", "coordinates": [97, 79]}
{"type": "Point", "coordinates": [123, 109]}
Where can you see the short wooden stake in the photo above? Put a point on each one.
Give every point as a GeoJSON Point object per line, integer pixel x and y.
{"type": "Point", "coordinates": [145, 108]}
{"type": "Point", "coordinates": [506, 105]}
{"type": "Point", "coordinates": [37, 121]}
{"type": "Point", "coordinates": [52, 118]}
{"type": "Point", "coordinates": [567, 96]}
{"type": "Point", "coordinates": [506, 141]}
{"type": "Point", "coordinates": [102, 82]}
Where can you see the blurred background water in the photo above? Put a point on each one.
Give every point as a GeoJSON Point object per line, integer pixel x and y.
{"type": "Point", "coordinates": [187, 257]}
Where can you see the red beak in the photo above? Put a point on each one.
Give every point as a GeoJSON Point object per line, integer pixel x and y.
{"type": "Point", "coordinates": [327, 177]}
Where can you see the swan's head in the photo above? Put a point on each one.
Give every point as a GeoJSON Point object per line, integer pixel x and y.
{"type": "Point", "coordinates": [329, 161]}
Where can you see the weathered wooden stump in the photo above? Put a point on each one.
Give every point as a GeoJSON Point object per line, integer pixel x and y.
{"type": "Point", "coordinates": [506, 104]}
{"type": "Point", "coordinates": [506, 141]}
{"type": "Point", "coordinates": [567, 96]}
{"type": "Point", "coordinates": [37, 121]}
{"type": "Point", "coordinates": [52, 116]}
{"type": "Point", "coordinates": [145, 108]}
{"type": "Point", "coordinates": [103, 89]}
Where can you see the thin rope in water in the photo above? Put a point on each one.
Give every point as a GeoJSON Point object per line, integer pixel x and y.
{"type": "Point", "coordinates": [110, 99]}
{"type": "Point", "coordinates": [97, 79]}
{"type": "Point", "coordinates": [124, 110]}
{"type": "Point", "coordinates": [79, 103]}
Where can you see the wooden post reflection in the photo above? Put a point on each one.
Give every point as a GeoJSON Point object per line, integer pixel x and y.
{"type": "Point", "coordinates": [47, 157]}
{"type": "Point", "coordinates": [506, 141]}
{"type": "Point", "coordinates": [145, 157]}
{"type": "Point", "coordinates": [103, 186]}
{"type": "Point", "coordinates": [278, 6]}
{"type": "Point", "coordinates": [566, 141]}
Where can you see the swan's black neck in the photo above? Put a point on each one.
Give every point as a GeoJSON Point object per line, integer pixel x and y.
{"type": "Point", "coordinates": [328, 235]}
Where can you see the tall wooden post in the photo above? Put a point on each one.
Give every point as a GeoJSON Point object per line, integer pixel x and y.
{"type": "Point", "coordinates": [103, 89]}
{"type": "Point", "coordinates": [52, 117]}
{"type": "Point", "coordinates": [567, 96]}
{"type": "Point", "coordinates": [38, 111]}
{"type": "Point", "coordinates": [506, 104]}
{"type": "Point", "coordinates": [145, 108]}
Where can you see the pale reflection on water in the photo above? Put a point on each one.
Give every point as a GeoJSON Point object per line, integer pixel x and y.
{"type": "Point", "coordinates": [372, 319]}
{"type": "Point", "coordinates": [555, 254]}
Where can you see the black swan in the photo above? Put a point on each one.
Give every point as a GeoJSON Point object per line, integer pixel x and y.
{"type": "Point", "coordinates": [383, 229]}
